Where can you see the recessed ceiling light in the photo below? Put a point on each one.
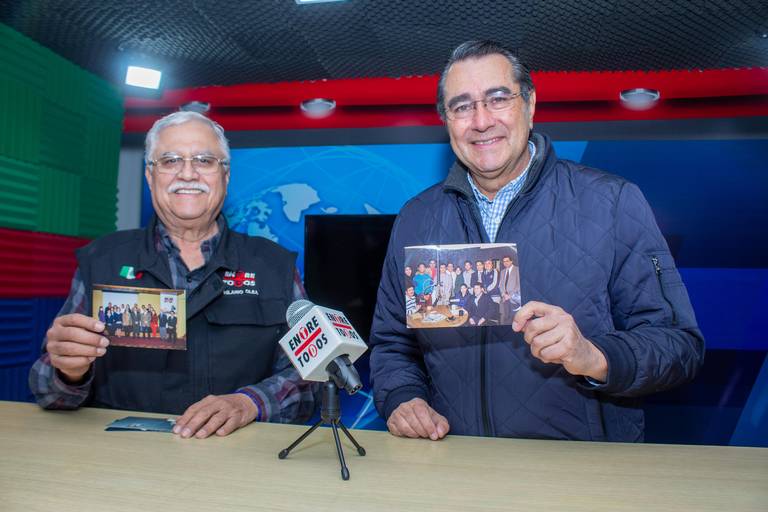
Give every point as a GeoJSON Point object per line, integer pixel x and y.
{"type": "Point", "coordinates": [318, 107]}
{"type": "Point", "coordinates": [302, 2]}
{"type": "Point", "coordinates": [639, 98]}
{"type": "Point", "coordinates": [146, 78]}
{"type": "Point", "coordinates": [200, 107]}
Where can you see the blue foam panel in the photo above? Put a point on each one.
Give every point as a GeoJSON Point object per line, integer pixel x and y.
{"type": "Point", "coordinates": [23, 323]}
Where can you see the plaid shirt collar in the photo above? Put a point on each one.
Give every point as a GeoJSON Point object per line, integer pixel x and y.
{"type": "Point", "coordinates": [182, 277]}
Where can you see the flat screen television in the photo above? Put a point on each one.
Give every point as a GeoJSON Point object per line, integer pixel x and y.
{"type": "Point", "coordinates": [343, 257]}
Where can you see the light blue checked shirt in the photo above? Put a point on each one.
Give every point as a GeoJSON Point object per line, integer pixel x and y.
{"type": "Point", "coordinates": [493, 211]}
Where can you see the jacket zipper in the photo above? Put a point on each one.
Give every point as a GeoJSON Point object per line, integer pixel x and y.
{"type": "Point", "coordinates": [483, 401]}
{"type": "Point", "coordinates": [475, 212]}
{"type": "Point", "coordinates": [484, 334]}
{"type": "Point", "coordinates": [657, 267]}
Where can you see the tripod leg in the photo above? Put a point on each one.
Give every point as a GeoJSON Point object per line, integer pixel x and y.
{"type": "Point", "coordinates": [284, 453]}
{"type": "Point", "coordinates": [340, 452]}
{"type": "Point", "coordinates": [360, 449]}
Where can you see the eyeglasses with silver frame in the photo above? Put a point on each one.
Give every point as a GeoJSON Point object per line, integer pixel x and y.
{"type": "Point", "coordinates": [203, 164]}
{"type": "Point", "coordinates": [494, 103]}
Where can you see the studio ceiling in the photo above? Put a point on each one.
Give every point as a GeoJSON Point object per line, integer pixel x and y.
{"type": "Point", "coordinates": [215, 42]}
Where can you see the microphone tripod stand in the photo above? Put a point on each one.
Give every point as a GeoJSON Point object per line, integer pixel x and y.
{"type": "Point", "coordinates": [330, 414]}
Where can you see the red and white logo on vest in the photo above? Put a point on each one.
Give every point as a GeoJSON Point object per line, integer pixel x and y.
{"type": "Point", "coordinates": [239, 283]}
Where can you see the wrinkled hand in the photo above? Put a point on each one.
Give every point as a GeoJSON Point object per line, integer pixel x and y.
{"type": "Point", "coordinates": [554, 337]}
{"type": "Point", "coordinates": [73, 343]}
{"type": "Point", "coordinates": [219, 414]}
{"type": "Point", "coordinates": [415, 418]}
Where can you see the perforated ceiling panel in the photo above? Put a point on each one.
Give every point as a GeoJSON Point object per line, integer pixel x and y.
{"type": "Point", "coordinates": [208, 42]}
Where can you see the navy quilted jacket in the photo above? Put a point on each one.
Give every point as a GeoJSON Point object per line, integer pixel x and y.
{"type": "Point", "coordinates": [587, 242]}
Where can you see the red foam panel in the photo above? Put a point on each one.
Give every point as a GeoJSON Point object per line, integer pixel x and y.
{"type": "Point", "coordinates": [36, 264]}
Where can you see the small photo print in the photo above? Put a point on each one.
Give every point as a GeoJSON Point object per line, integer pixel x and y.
{"type": "Point", "coordinates": [142, 424]}
{"type": "Point", "coordinates": [465, 285]}
{"type": "Point", "coordinates": [142, 317]}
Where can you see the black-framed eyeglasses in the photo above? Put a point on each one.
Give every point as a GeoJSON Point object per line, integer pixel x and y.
{"type": "Point", "coordinates": [203, 164]}
{"type": "Point", "coordinates": [494, 103]}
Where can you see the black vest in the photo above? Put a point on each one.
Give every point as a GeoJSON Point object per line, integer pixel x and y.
{"type": "Point", "coordinates": [231, 335]}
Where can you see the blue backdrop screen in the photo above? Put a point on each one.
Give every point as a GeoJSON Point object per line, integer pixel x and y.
{"type": "Point", "coordinates": [710, 198]}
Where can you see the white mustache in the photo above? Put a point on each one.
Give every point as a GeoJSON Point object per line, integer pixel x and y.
{"type": "Point", "coordinates": [189, 185]}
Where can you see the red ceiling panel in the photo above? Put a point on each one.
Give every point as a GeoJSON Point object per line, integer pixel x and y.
{"type": "Point", "coordinates": [388, 102]}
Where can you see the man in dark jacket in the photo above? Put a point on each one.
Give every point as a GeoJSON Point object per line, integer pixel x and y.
{"type": "Point", "coordinates": [479, 307]}
{"type": "Point", "coordinates": [162, 323]}
{"type": "Point", "coordinates": [172, 322]}
{"type": "Point", "coordinates": [605, 316]}
{"type": "Point", "coordinates": [233, 371]}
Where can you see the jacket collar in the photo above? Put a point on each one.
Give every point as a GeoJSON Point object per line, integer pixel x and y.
{"type": "Point", "coordinates": [456, 181]}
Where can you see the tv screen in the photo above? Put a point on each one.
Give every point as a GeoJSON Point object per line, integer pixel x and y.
{"type": "Point", "coordinates": [343, 256]}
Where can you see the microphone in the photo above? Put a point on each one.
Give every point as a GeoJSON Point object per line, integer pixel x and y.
{"type": "Point", "coordinates": [322, 345]}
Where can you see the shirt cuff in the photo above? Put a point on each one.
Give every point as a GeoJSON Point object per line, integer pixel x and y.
{"type": "Point", "coordinates": [592, 382]}
{"type": "Point", "coordinates": [621, 365]}
{"type": "Point", "coordinates": [60, 385]}
{"type": "Point", "coordinates": [257, 400]}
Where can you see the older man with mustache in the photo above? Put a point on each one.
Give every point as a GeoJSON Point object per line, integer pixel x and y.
{"type": "Point", "coordinates": [237, 287]}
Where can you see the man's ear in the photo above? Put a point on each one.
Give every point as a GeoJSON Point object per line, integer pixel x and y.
{"type": "Point", "coordinates": [531, 108]}
{"type": "Point", "coordinates": [148, 175]}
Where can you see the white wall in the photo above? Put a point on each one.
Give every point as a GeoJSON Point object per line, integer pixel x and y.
{"type": "Point", "coordinates": [129, 182]}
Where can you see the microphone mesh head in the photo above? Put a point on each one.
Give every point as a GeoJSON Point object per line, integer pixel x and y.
{"type": "Point", "coordinates": [297, 310]}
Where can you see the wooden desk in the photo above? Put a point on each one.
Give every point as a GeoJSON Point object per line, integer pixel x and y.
{"type": "Point", "coordinates": [416, 321]}
{"type": "Point", "coordinates": [65, 461]}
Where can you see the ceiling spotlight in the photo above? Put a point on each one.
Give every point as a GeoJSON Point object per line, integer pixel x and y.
{"type": "Point", "coordinates": [318, 107]}
{"type": "Point", "coordinates": [303, 2]}
{"type": "Point", "coordinates": [200, 107]}
{"type": "Point", "coordinates": [639, 98]}
{"type": "Point", "coordinates": [146, 78]}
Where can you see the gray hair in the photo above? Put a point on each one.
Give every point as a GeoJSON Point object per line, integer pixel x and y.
{"type": "Point", "coordinates": [476, 50]}
{"type": "Point", "coordinates": [178, 118]}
